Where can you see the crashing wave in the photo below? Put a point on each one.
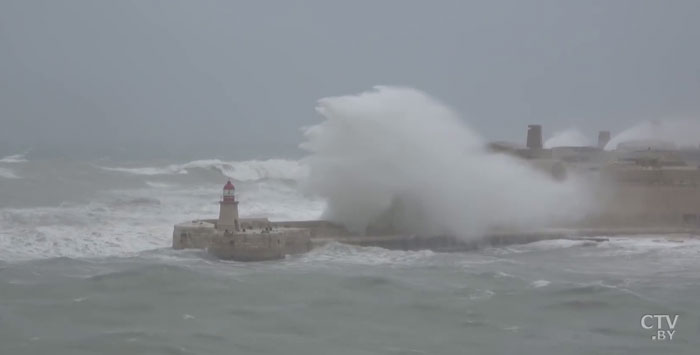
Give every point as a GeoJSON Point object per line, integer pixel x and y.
{"type": "Point", "coordinates": [400, 160]}
{"type": "Point", "coordinates": [16, 158]}
{"type": "Point", "coordinates": [8, 173]}
{"type": "Point", "coordinates": [249, 170]}
{"type": "Point", "coordinates": [168, 170]}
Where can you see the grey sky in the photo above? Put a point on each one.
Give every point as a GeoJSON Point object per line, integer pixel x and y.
{"type": "Point", "coordinates": [216, 77]}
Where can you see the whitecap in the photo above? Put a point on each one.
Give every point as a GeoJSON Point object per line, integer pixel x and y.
{"type": "Point", "coordinates": [16, 158]}
{"type": "Point", "coordinates": [542, 245]}
{"type": "Point", "coordinates": [127, 222]}
{"type": "Point", "coordinates": [672, 246]}
{"type": "Point", "coordinates": [553, 244]}
{"type": "Point", "coordinates": [540, 283]}
{"type": "Point", "coordinates": [8, 173]}
{"type": "Point", "coordinates": [248, 170]}
{"type": "Point", "coordinates": [350, 254]}
{"type": "Point", "coordinates": [481, 294]}
{"type": "Point", "coordinates": [146, 170]}
{"type": "Point", "coordinates": [158, 185]}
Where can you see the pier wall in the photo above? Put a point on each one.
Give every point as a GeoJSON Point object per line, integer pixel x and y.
{"type": "Point", "coordinates": [260, 246]}
{"type": "Point", "coordinates": [194, 235]}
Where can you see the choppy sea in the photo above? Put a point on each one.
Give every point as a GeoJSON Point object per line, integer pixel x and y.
{"type": "Point", "coordinates": [86, 268]}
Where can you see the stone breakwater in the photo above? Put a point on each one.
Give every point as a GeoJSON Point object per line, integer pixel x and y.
{"type": "Point", "coordinates": [260, 239]}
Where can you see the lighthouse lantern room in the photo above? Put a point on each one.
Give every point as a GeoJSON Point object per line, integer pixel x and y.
{"type": "Point", "coordinates": [229, 190]}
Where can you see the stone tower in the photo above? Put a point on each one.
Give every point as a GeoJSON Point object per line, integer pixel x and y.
{"type": "Point", "coordinates": [228, 210]}
{"type": "Point", "coordinates": [534, 136]}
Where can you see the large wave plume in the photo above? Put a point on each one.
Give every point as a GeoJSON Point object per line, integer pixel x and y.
{"type": "Point", "coordinates": [397, 158]}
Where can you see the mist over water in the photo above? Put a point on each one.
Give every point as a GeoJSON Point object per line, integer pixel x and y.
{"type": "Point", "coordinates": [395, 156]}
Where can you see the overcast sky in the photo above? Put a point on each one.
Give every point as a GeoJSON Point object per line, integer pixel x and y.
{"type": "Point", "coordinates": [216, 77]}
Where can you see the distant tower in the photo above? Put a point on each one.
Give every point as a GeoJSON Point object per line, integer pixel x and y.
{"type": "Point", "coordinates": [228, 209]}
{"type": "Point", "coordinates": [603, 139]}
{"type": "Point", "coordinates": [534, 136]}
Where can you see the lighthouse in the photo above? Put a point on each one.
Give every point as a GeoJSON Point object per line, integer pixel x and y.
{"type": "Point", "coordinates": [228, 209]}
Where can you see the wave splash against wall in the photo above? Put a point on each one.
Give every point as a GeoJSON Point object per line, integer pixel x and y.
{"type": "Point", "coordinates": [396, 157]}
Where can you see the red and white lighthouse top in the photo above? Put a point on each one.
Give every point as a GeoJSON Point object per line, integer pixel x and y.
{"type": "Point", "coordinates": [228, 192]}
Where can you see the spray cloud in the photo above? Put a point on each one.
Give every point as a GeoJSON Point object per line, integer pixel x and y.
{"type": "Point", "coordinates": [571, 137]}
{"type": "Point", "coordinates": [397, 154]}
{"type": "Point", "coordinates": [683, 133]}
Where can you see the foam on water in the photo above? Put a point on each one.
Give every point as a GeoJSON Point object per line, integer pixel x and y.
{"type": "Point", "coordinates": [8, 173]}
{"type": "Point", "coordinates": [336, 253]}
{"type": "Point", "coordinates": [677, 246]}
{"type": "Point", "coordinates": [158, 184]}
{"type": "Point", "coordinates": [121, 222]}
{"type": "Point", "coordinates": [148, 170]}
{"type": "Point", "coordinates": [671, 246]}
{"type": "Point", "coordinates": [544, 245]}
{"type": "Point", "coordinates": [540, 283]}
{"type": "Point", "coordinates": [89, 230]}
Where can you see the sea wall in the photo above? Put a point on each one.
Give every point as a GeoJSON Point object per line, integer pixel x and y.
{"type": "Point", "coordinates": [266, 245]}
{"type": "Point", "coordinates": [254, 223]}
{"type": "Point", "coordinates": [648, 203]}
{"type": "Point", "coordinates": [193, 235]}
{"type": "Point", "coordinates": [454, 244]}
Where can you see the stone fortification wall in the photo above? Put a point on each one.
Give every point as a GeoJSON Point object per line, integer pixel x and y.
{"type": "Point", "coordinates": [260, 246]}
{"type": "Point", "coordinates": [647, 197]}
{"type": "Point", "coordinates": [193, 235]}
{"type": "Point", "coordinates": [254, 223]}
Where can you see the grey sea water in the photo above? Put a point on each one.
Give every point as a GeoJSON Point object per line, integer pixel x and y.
{"type": "Point", "coordinates": [86, 268]}
{"type": "Point", "coordinates": [551, 297]}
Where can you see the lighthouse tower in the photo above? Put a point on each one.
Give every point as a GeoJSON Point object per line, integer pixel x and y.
{"type": "Point", "coordinates": [228, 210]}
